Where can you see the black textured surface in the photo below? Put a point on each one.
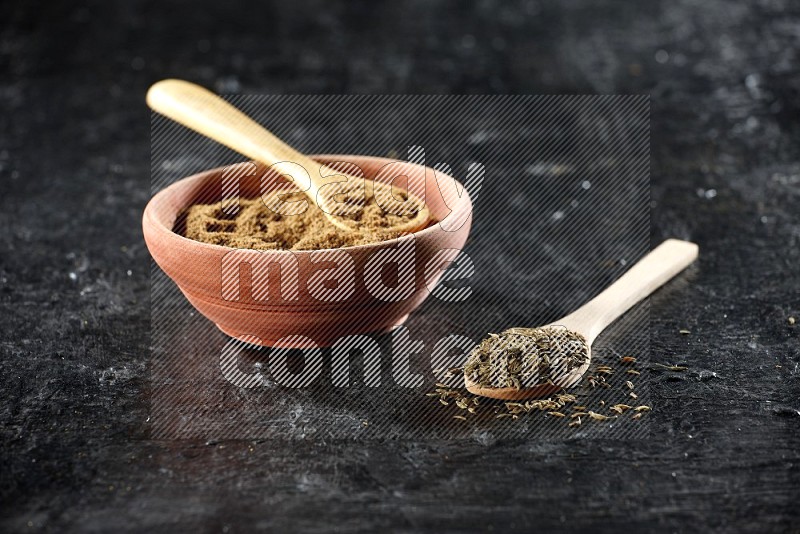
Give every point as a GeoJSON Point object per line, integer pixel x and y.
{"type": "Point", "coordinates": [74, 142]}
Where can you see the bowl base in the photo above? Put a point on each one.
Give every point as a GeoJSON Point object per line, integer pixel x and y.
{"type": "Point", "coordinates": [327, 342]}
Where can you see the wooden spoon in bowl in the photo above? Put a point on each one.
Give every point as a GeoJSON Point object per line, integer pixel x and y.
{"type": "Point", "coordinates": [208, 114]}
{"type": "Point", "coordinates": [568, 341]}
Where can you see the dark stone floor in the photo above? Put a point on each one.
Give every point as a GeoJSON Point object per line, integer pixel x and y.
{"type": "Point", "coordinates": [724, 450]}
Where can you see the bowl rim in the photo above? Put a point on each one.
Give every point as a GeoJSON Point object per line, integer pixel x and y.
{"type": "Point", "coordinates": [464, 203]}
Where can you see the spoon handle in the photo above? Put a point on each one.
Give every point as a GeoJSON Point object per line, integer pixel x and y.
{"type": "Point", "coordinates": [206, 113]}
{"type": "Point", "coordinates": [655, 269]}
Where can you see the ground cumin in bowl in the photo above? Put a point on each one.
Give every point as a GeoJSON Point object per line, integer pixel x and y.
{"type": "Point", "coordinates": [257, 226]}
{"type": "Point", "coordinates": [299, 282]}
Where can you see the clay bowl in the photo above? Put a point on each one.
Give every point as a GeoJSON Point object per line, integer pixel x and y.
{"type": "Point", "coordinates": [286, 297]}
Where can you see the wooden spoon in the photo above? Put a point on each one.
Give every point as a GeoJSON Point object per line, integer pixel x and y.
{"type": "Point", "coordinates": [208, 114]}
{"type": "Point", "coordinates": [651, 272]}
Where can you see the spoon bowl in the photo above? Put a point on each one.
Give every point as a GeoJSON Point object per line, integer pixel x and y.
{"type": "Point", "coordinates": [566, 381]}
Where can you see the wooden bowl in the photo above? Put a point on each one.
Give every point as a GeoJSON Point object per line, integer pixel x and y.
{"type": "Point", "coordinates": [281, 305]}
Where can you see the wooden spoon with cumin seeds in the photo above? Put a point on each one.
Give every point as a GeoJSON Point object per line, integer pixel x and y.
{"type": "Point", "coordinates": [584, 325]}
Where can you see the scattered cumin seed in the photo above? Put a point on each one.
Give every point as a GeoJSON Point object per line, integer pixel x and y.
{"type": "Point", "coordinates": [685, 332]}
{"type": "Point", "coordinates": [671, 367]}
{"type": "Point", "coordinates": [561, 405]}
{"type": "Point", "coordinates": [600, 417]}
